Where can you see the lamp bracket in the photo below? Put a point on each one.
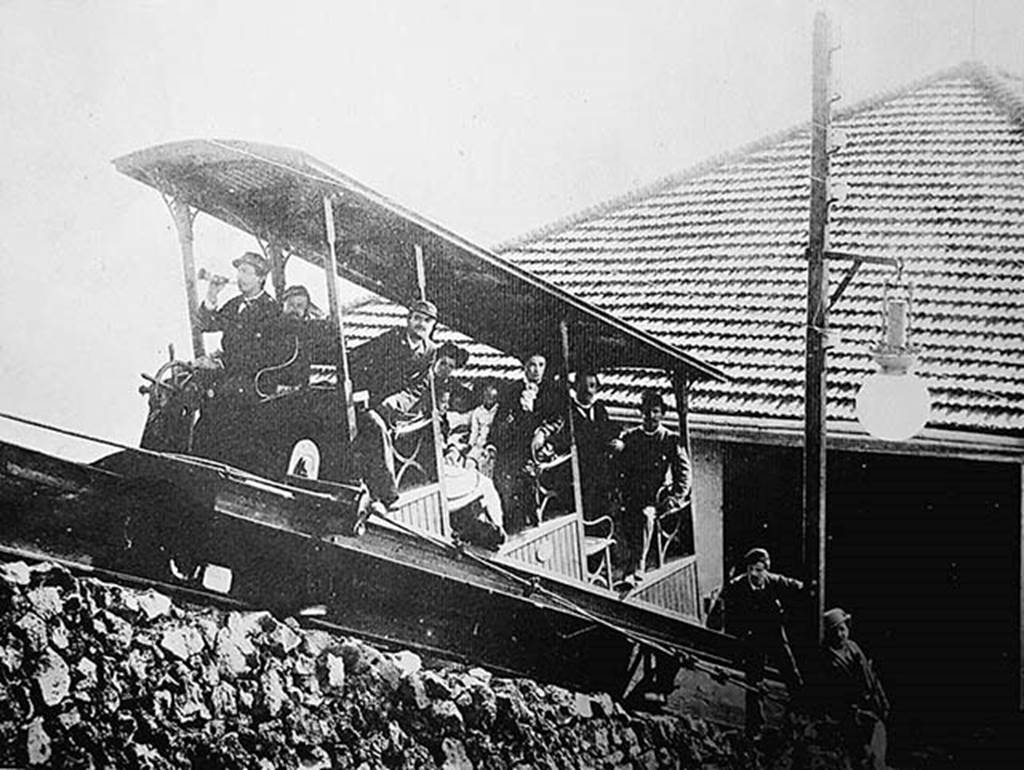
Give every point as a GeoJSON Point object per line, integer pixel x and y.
{"type": "Point", "coordinates": [856, 260]}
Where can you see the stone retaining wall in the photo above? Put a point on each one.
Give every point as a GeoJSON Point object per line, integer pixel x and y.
{"type": "Point", "coordinates": [96, 675]}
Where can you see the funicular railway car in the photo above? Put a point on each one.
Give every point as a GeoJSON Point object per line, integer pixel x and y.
{"type": "Point", "coordinates": [290, 526]}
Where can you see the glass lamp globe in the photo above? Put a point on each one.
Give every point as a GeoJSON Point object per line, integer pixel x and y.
{"type": "Point", "coordinates": [893, 406]}
{"type": "Point", "coordinates": [893, 403]}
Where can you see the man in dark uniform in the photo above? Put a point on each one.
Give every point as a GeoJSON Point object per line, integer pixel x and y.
{"type": "Point", "coordinates": [751, 607]}
{"type": "Point", "coordinates": [651, 459]}
{"type": "Point", "coordinates": [244, 320]}
{"type": "Point", "coordinates": [595, 437]}
{"type": "Point", "coordinates": [290, 345]}
{"type": "Point", "coordinates": [394, 368]}
{"type": "Point", "coordinates": [225, 430]}
{"type": "Point", "coordinates": [522, 407]}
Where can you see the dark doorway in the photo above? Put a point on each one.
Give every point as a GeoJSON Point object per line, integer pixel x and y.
{"type": "Point", "coordinates": [763, 504]}
{"type": "Point", "coordinates": [924, 552]}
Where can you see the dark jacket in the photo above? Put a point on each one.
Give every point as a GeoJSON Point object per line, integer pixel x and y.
{"type": "Point", "coordinates": [513, 427]}
{"type": "Point", "coordinates": [387, 365]}
{"type": "Point", "coordinates": [288, 358]}
{"type": "Point", "coordinates": [246, 327]}
{"type": "Point", "coordinates": [850, 683]}
{"type": "Point", "coordinates": [644, 461]}
{"type": "Point", "coordinates": [748, 613]}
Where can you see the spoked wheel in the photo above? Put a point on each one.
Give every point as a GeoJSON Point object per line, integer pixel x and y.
{"type": "Point", "coordinates": [170, 380]}
{"type": "Point", "coordinates": [173, 402]}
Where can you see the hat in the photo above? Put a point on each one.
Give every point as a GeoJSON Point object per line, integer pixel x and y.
{"type": "Point", "coordinates": [651, 399]}
{"type": "Point", "coordinates": [298, 290]}
{"type": "Point", "coordinates": [424, 307]}
{"type": "Point", "coordinates": [453, 351]}
{"type": "Point", "coordinates": [256, 261]}
{"type": "Point", "coordinates": [754, 555]}
{"type": "Point", "coordinates": [835, 616]}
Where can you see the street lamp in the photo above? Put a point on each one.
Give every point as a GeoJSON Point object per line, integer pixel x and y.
{"type": "Point", "coordinates": [893, 403]}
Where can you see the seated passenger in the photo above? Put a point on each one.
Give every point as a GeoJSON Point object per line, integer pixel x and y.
{"type": "Point", "coordinates": [480, 421]}
{"type": "Point", "coordinates": [394, 368]}
{"type": "Point", "coordinates": [522, 407]}
{"type": "Point", "coordinates": [290, 343]}
{"type": "Point", "coordinates": [595, 441]}
{"type": "Point", "coordinates": [651, 458]}
{"type": "Point", "coordinates": [474, 504]}
{"type": "Point", "coordinates": [453, 399]}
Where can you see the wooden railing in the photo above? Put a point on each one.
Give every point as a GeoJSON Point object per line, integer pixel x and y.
{"type": "Point", "coordinates": [421, 509]}
{"type": "Point", "coordinates": [674, 587]}
{"type": "Point", "coordinates": [553, 546]}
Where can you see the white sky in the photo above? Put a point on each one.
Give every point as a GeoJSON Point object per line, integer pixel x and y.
{"type": "Point", "coordinates": [490, 117]}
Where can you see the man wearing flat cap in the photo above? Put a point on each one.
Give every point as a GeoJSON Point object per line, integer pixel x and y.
{"type": "Point", "coordinates": [245, 320]}
{"type": "Point", "coordinates": [752, 608]}
{"type": "Point", "coordinates": [394, 368]}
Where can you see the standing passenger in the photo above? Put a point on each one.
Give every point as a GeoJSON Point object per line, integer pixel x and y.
{"type": "Point", "coordinates": [522, 407]}
{"type": "Point", "coordinates": [651, 459]}
{"type": "Point", "coordinates": [595, 441]}
{"type": "Point", "coordinates": [244, 320]}
{"type": "Point", "coordinates": [480, 421]}
{"type": "Point", "coordinates": [224, 431]}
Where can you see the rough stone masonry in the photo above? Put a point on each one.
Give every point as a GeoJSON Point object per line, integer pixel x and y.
{"type": "Point", "coordinates": [96, 675]}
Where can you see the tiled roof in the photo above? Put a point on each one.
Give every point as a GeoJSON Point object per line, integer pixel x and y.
{"type": "Point", "coordinates": [712, 259]}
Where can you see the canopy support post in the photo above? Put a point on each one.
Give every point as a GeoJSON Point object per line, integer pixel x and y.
{"type": "Point", "coordinates": [435, 418]}
{"type": "Point", "coordinates": [337, 324]}
{"type": "Point", "coordinates": [574, 455]}
{"type": "Point", "coordinates": [278, 260]}
{"type": "Point", "coordinates": [681, 390]}
{"type": "Point", "coordinates": [184, 216]}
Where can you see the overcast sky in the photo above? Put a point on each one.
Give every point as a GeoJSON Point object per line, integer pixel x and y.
{"type": "Point", "coordinates": [490, 117]}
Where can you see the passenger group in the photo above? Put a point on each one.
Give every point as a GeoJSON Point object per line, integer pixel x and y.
{"type": "Point", "coordinates": [516, 432]}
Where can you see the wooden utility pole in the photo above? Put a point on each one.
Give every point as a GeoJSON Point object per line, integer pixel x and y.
{"type": "Point", "coordinates": [814, 518]}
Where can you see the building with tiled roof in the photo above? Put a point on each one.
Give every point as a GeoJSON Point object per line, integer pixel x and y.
{"type": "Point", "coordinates": [712, 260]}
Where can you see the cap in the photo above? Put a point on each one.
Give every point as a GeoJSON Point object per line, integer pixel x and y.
{"type": "Point", "coordinates": [754, 555]}
{"type": "Point", "coordinates": [835, 616]}
{"type": "Point", "coordinates": [424, 307]}
{"type": "Point", "coordinates": [298, 290]}
{"type": "Point", "coordinates": [453, 351]}
{"type": "Point", "coordinates": [256, 261]}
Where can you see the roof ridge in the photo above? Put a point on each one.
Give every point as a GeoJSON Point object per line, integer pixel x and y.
{"type": "Point", "coordinates": [998, 83]}
{"type": "Point", "coordinates": [1007, 97]}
